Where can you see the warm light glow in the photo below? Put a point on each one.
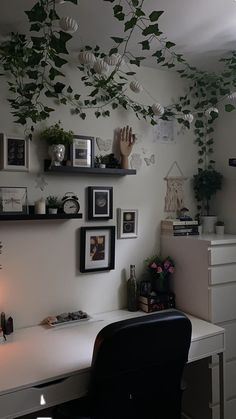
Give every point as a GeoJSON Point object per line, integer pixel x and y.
{"type": "Point", "coordinates": [42, 400]}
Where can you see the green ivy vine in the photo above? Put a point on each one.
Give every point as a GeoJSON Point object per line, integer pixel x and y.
{"type": "Point", "coordinates": [35, 65]}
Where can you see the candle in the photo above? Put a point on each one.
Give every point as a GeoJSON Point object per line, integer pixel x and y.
{"type": "Point", "coordinates": [40, 206]}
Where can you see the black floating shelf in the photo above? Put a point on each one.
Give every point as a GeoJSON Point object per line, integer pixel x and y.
{"type": "Point", "coordinates": [232, 162]}
{"type": "Point", "coordinates": [24, 217]}
{"type": "Point", "coordinates": [86, 170]}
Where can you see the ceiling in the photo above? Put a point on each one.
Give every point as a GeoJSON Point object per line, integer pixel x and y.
{"type": "Point", "coordinates": [203, 30]}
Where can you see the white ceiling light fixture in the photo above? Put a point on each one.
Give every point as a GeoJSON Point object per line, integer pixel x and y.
{"type": "Point", "coordinates": [188, 117]}
{"type": "Point", "coordinates": [68, 24]}
{"type": "Point", "coordinates": [87, 58]}
{"type": "Point", "coordinates": [211, 110]}
{"type": "Point", "coordinates": [113, 59]}
{"type": "Point", "coordinates": [136, 87]}
{"type": "Point", "coordinates": [232, 96]}
{"type": "Point", "coordinates": [158, 109]}
{"type": "Point", "coordinates": [101, 67]}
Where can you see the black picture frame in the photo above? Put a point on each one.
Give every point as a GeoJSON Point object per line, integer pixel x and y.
{"type": "Point", "coordinates": [82, 151]}
{"type": "Point", "coordinates": [100, 203]}
{"type": "Point", "coordinates": [97, 249]}
{"type": "Point", "coordinates": [14, 153]}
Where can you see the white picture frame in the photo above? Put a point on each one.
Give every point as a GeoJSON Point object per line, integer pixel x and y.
{"type": "Point", "coordinates": [14, 153]}
{"type": "Point", "coordinates": [82, 151]}
{"type": "Point", "coordinates": [127, 223]}
{"type": "Point", "coordinates": [13, 200]}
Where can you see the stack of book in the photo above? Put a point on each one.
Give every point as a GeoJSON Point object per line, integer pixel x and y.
{"type": "Point", "coordinates": [158, 302]}
{"type": "Point", "coordinates": [179, 228]}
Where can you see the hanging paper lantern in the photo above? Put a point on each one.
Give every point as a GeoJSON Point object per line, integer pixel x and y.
{"type": "Point", "coordinates": [87, 58]}
{"type": "Point", "coordinates": [136, 87]}
{"type": "Point", "coordinates": [68, 24]}
{"type": "Point", "coordinates": [101, 67]}
{"type": "Point", "coordinates": [188, 117]}
{"type": "Point", "coordinates": [210, 110]}
{"type": "Point", "coordinates": [113, 59]}
{"type": "Point", "coordinates": [158, 109]}
{"type": "Point", "coordinates": [232, 96]}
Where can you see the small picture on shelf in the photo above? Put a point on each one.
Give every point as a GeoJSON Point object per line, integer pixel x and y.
{"type": "Point", "coordinates": [13, 200]}
{"type": "Point", "coordinates": [82, 151]}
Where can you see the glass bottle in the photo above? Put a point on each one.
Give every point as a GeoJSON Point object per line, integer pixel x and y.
{"type": "Point", "coordinates": [132, 290]}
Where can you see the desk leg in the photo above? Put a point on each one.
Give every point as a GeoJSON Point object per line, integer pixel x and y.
{"type": "Point", "coordinates": [221, 384]}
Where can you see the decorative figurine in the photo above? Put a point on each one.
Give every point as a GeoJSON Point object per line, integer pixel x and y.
{"type": "Point", "coordinates": [183, 216]}
{"type": "Point", "coordinates": [126, 141]}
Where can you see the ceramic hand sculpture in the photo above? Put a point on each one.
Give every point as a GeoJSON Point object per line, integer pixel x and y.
{"type": "Point", "coordinates": [126, 141]}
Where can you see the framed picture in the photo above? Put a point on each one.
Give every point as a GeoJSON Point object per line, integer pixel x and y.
{"type": "Point", "coordinates": [13, 200]}
{"type": "Point", "coordinates": [82, 151]}
{"type": "Point", "coordinates": [14, 153]}
{"type": "Point", "coordinates": [100, 203]}
{"type": "Point", "coordinates": [97, 249]}
{"type": "Point", "coordinates": [127, 223]}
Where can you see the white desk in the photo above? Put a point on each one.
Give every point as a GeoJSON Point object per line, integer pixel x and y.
{"type": "Point", "coordinates": [54, 363]}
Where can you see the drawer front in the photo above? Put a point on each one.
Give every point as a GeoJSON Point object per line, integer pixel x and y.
{"type": "Point", "coordinates": [230, 410]}
{"type": "Point", "coordinates": [222, 303]}
{"type": "Point", "coordinates": [230, 339]}
{"type": "Point", "coordinates": [40, 397]}
{"type": "Point", "coordinates": [222, 254]}
{"type": "Point", "coordinates": [222, 274]}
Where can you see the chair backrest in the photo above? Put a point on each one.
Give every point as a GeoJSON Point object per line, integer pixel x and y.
{"type": "Point", "coordinates": [137, 367]}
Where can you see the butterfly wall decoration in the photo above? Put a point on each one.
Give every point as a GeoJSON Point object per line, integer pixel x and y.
{"type": "Point", "coordinates": [103, 145]}
{"type": "Point", "coordinates": [150, 160]}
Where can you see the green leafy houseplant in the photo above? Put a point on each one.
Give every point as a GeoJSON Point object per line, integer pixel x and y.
{"type": "Point", "coordinates": [57, 135]}
{"type": "Point", "coordinates": [205, 184]}
{"type": "Point", "coordinates": [53, 201]}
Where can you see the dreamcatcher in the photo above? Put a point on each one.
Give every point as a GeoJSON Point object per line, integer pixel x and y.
{"type": "Point", "coordinates": [174, 199]}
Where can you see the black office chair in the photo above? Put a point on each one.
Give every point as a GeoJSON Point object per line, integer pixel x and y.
{"type": "Point", "coordinates": [136, 370]}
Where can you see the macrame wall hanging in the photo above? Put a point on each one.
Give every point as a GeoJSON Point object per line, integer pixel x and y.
{"type": "Point", "coordinates": [174, 199]}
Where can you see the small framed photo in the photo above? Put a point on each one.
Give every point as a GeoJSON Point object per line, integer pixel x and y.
{"type": "Point", "coordinates": [127, 223]}
{"type": "Point", "coordinates": [97, 249]}
{"type": "Point", "coordinates": [13, 200]}
{"type": "Point", "coordinates": [100, 203]}
{"type": "Point", "coordinates": [82, 151]}
{"type": "Point", "coordinates": [14, 153]}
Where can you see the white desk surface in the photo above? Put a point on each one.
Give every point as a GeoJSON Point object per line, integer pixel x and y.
{"type": "Point", "coordinates": [37, 355]}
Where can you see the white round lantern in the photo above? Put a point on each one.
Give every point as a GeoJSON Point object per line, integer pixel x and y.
{"type": "Point", "coordinates": [188, 117]}
{"type": "Point", "coordinates": [101, 67]}
{"type": "Point", "coordinates": [158, 109]}
{"type": "Point", "coordinates": [68, 24]}
{"type": "Point", "coordinates": [87, 58]}
{"type": "Point", "coordinates": [113, 59]}
{"type": "Point", "coordinates": [210, 110]}
{"type": "Point", "coordinates": [232, 96]}
{"type": "Point", "coordinates": [136, 87]}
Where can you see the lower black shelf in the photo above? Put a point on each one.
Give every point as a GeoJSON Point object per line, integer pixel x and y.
{"type": "Point", "coordinates": [25, 217]}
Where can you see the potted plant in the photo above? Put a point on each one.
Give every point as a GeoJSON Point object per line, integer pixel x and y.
{"type": "Point", "coordinates": [53, 203]}
{"type": "Point", "coordinates": [98, 162]}
{"type": "Point", "coordinates": [220, 227]}
{"type": "Point", "coordinates": [57, 138]}
{"type": "Point", "coordinates": [205, 184]}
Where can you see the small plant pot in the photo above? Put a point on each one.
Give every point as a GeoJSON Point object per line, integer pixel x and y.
{"type": "Point", "coordinates": [208, 224]}
{"type": "Point", "coordinates": [52, 210]}
{"type": "Point", "coordinates": [102, 166]}
{"type": "Point", "coordinates": [220, 230]}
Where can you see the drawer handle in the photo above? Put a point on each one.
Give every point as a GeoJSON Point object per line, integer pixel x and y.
{"type": "Point", "coordinates": [51, 383]}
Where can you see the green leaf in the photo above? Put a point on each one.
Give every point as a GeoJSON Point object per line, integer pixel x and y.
{"type": "Point", "coordinates": [58, 61]}
{"type": "Point", "coordinates": [139, 12]}
{"type": "Point", "coordinates": [119, 16]}
{"type": "Point", "coordinates": [117, 39]}
{"type": "Point", "coordinates": [37, 13]}
{"type": "Point", "coordinates": [53, 72]}
{"type": "Point", "coordinates": [117, 8]}
{"type": "Point", "coordinates": [145, 44]}
{"type": "Point", "coordinates": [113, 51]}
{"type": "Point", "coordinates": [135, 3]}
{"type": "Point", "coordinates": [69, 89]}
{"type": "Point", "coordinates": [35, 27]}
{"type": "Point", "coordinates": [58, 87]}
{"type": "Point", "coordinates": [170, 44]}
{"type": "Point", "coordinates": [154, 16]}
{"type": "Point", "coordinates": [152, 30]}
{"type": "Point", "coordinates": [130, 23]}
{"type": "Point", "coordinates": [229, 107]}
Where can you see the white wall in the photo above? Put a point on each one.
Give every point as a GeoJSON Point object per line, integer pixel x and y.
{"type": "Point", "coordinates": [40, 259]}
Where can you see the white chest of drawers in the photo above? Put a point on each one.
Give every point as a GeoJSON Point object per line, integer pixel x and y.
{"type": "Point", "coordinates": [205, 286]}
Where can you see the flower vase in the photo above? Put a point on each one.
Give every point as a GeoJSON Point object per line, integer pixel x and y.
{"type": "Point", "coordinates": [160, 283]}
